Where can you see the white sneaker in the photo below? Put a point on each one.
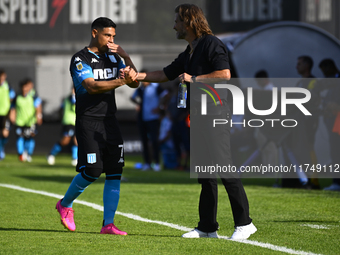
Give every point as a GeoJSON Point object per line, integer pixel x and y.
{"type": "Point", "coordinates": [50, 160]}
{"type": "Point", "coordinates": [28, 158]}
{"type": "Point", "coordinates": [74, 162]}
{"type": "Point", "coordinates": [333, 187]}
{"type": "Point", "coordinates": [146, 167]}
{"type": "Point", "coordinates": [156, 167]}
{"type": "Point", "coordinates": [243, 232]}
{"type": "Point", "coordinates": [198, 234]}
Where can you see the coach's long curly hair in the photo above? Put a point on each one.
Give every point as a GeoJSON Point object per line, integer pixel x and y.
{"type": "Point", "coordinates": [193, 17]}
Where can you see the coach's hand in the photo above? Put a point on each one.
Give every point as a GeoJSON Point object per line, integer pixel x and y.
{"type": "Point", "coordinates": [130, 75]}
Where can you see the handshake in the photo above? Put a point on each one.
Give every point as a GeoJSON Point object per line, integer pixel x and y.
{"type": "Point", "coordinates": [128, 74]}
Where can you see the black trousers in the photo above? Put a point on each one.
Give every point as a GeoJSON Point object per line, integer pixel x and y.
{"type": "Point", "coordinates": [149, 131]}
{"type": "Point", "coordinates": [211, 146]}
{"type": "Point", "coordinates": [208, 203]}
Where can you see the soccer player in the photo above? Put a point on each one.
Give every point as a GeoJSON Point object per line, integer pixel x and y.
{"type": "Point", "coordinates": [7, 95]}
{"type": "Point", "coordinates": [94, 71]}
{"type": "Point", "coordinates": [205, 57]}
{"type": "Point", "coordinates": [68, 130]}
{"type": "Point", "coordinates": [26, 113]}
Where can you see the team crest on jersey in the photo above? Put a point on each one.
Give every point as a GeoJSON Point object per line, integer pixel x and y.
{"type": "Point", "coordinates": [113, 59]}
{"type": "Point", "coordinates": [79, 66]}
{"type": "Point", "coordinates": [91, 158]}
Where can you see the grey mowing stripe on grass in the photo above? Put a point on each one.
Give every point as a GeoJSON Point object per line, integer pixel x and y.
{"type": "Point", "coordinates": [175, 226]}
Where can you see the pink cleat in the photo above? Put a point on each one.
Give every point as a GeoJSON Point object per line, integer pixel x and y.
{"type": "Point", "coordinates": [66, 216]}
{"type": "Point", "coordinates": [113, 230]}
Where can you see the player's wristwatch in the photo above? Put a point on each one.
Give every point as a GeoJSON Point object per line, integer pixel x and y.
{"type": "Point", "coordinates": [193, 78]}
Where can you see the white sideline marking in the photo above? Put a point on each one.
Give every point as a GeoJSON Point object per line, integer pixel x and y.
{"type": "Point", "coordinates": [315, 226]}
{"type": "Point", "coordinates": [175, 226]}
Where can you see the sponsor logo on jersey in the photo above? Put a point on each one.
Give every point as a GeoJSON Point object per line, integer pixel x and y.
{"type": "Point", "coordinates": [84, 72]}
{"type": "Point", "coordinates": [94, 60]}
{"type": "Point", "coordinates": [113, 59]}
{"type": "Point", "coordinates": [79, 66]}
{"type": "Point", "coordinates": [91, 158]}
{"type": "Point", "coordinates": [77, 59]}
{"type": "Point", "coordinates": [105, 74]}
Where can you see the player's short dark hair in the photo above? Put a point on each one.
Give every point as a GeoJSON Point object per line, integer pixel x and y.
{"type": "Point", "coordinates": [261, 74]}
{"type": "Point", "coordinates": [102, 22]}
{"type": "Point", "coordinates": [24, 82]}
{"type": "Point", "coordinates": [327, 63]}
{"type": "Point", "coordinates": [308, 60]}
{"type": "Point", "coordinates": [2, 71]}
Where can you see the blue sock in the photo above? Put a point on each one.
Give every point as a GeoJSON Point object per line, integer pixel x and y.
{"type": "Point", "coordinates": [74, 152]}
{"type": "Point", "coordinates": [4, 141]}
{"type": "Point", "coordinates": [30, 146]}
{"type": "Point", "coordinates": [1, 143]}
{"type": "Point", "coordinates": [110, 199]}
{"type": "Point", "coordinates": [77, 186]}
{"type": "Point", "coordinates": [55, 149]}
{"type": "Point", "coordinates": [20, 145]}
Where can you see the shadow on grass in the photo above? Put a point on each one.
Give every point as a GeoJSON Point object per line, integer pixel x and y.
{"type": "Point", "coordinates": [306, 221]}
{"type": "Point", "coordinates": [129, 176]}
{"type": "Point", "coordinates": [53, 178]}
{"type": "Point", "coordinates": [146, 235]}
{"type": "Point", "coordinates": [135, 176]}
{"type": "Point", "coordinates": [60, 165]}
{"type": "Point", "coordinates": [77, 232]}
{"type": "Point", "coordinates": [42, 230]}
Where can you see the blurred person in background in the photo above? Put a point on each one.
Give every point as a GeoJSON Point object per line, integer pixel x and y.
{"type": "Point", "coordinates": [68, 130]}
{"type": "Point", "coordinates": [330, 106]}
{"type": "Point", "coordinates": [165, 140]}
{"type": "Point", "coordinates": [26, 113]}
{"type": "Point", "coordinates": [179, 130]}
{"type": "Point", "coordinates": [269, 149]}
{"type": "Point", "coordinates": [7, 95]}
{"type": "Point", "coordinates": [262, 79]}
{"type": "Point", "coordinates": [304, 67]}
{"type": "Point", "coordinates": [147, 98]}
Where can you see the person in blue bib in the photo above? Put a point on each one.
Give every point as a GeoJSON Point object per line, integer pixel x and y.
{"type": "Point", "coordinates": [26, 114]}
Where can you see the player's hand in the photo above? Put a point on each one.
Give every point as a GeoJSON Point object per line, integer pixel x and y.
{"type": "Point", "coordinates": [122, 72]}
{"type": "Point", "coordinates": [39, 121]}
{"type": "Point", "coordinates": [130, 75]}
{"type": "Point", "coordinates": [117, 49]}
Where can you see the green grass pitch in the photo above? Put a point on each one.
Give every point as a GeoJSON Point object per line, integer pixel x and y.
{"type": "Point", "coordinates": [291, 221]}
